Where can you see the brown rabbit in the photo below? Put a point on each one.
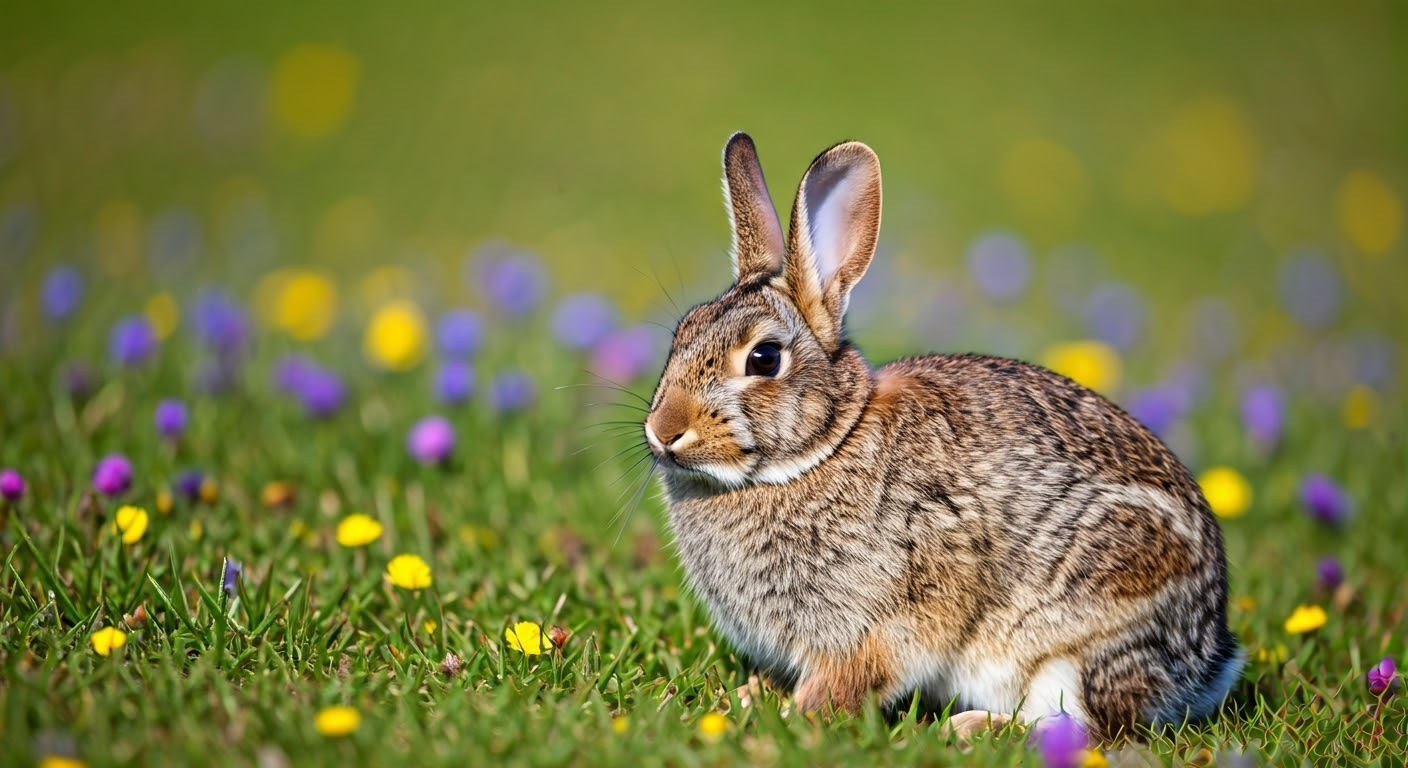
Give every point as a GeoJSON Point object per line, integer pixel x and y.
{"type": "Point", "coordinates": [982, 531]}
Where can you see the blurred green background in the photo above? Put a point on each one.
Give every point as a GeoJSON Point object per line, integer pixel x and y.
{"type": "Point", "coordinates": [1183, 148]}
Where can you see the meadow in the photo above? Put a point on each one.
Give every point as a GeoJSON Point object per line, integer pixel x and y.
{"type": "Point", "coordinates": [323, 334]}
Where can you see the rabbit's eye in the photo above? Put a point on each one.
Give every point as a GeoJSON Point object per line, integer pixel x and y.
{"type": "Point", "coordinates": [764, 360]}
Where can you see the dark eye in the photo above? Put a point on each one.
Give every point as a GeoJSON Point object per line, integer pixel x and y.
{"type": "Point", "coordinates": [764, 360]}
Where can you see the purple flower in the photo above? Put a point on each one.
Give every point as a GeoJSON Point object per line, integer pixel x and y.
{"type": "Point", "coordinates": [231, 575]}
{"type": "Point", "coordinates": [220, 322]}
{"type": "Point", "coordinates": [454, 382]}
{"type": "Point", "coordinates": [217, 375]}
{"type": "Point", "coordinates": [1060, 740]}
{"type": "Point", "coordinates": [1310, 289]}
{"type": "Point", "coordinates": [1330, 572]}
{"type": "Point", "coordinates": [189, 484]}
{"type": "Point", "coordinates": [581, 319]}
{"type": "Point", "coordinates": [11, 484]}
{"type": "Point", "coordinates": [459, 333]}
{"type": "Point", "coordinates": [291, 371]}
{"type": "Point", "coordinates": [133, 340]}
{"type": "Point", "coordinates": [1325, 501]}
{"type": "Point", "coordinates": [1159, 407]}
{"type": "Point", "coordinates": [1000, 265]}
{"type": "Point", "coordinates": [321, 391]}
{"type": "Point", "coordinates": [171, 418]}
{"type": "Point", "coordinates": [512, 391]}
{"type": "Point", "coordinates": [1381, 676]}
{"type": "Point", "coordinates": [625, 354]}
{"type": "Point", "coordinates": [431, 440]}
{"type": "Point", "coordinates": [1263, 411]}
{"type": "Point", "coordinates": [61, 293]}
{"type": "Point", "coordinates": [513, 281]}
{"type": "Point", "coordinates": [1116, 314]}
{"type": "Point", "coordinates": [113, 475]}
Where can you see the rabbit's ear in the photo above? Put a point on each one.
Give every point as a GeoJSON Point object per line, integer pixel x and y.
{"type": "Point", "coordinates": [757, 234]}
{"type": "Point", "coordinates": [835, 226]}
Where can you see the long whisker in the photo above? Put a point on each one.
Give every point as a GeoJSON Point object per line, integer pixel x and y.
{"type": "Point", "coordinates": [629, 469]}
{"type": "Point", "coordinates": [605, 384]}
{"type": "Point", "coordinates": [627, 449]}
{"type": "Point", "coordinates": [645, 482]}
{"type": "Point", "coordinates": [618, 405]}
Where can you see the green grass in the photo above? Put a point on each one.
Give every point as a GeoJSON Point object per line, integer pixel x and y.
{"type": "Point", "coordinates": [593, 137]}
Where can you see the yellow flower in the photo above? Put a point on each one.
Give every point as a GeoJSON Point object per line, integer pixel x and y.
{"type": "Point", "coordinates": [302, 303]}
{"type": "Point", "coordinates": [337, 721]}
{"type": "Point", "coordinates": [314, 88]}
{"type": "Point", "coordinates": [164, 501]}
{"type": "Point", "coordinates": [57, 761]}
{"type": "Point", "coordinates": [278, 494]}
{"type": "Point", "coordinates": [358, 531]}
{"type": "Point", "coordinates": [620, 724]}
{"type": "Point", "coordinates": [107, 639]}
{"type": "Point", "coordinates": [1094, 758]}
{"type": "Point", "coordinates": [1305, 618]}
{"type": "Point", "coordinates": [1359, 407]}
{"type": "Point", "coordinates": [163, 313]}
{"type": "Point", "coordinates": [430, 625]}
{"type": "Point", "coordinates": [712, 727]}
{"type": "Point", "coordinates": [1092, 364]}
{"type": "Point", "coordinates": [396, 337]}
{"type": "Point", "coordinates": [527, 638]}
{"type": "Point", "coordinates": [195, 530]}
{"type": "Point", "coordinates": [1369, 212]}
{"type": "Point", "coordinates": [1274, 655]}
{"type": "Point", "coordinates": [1246, 603]}
{"type": "Point", "coordinates": [209, 491]}
{"type": "Point", "coordinates": [408, 572]}
{"type": "Point", "coordinates": [1228, 493]}
{"type": "Point", "coordinates": [130, 522]}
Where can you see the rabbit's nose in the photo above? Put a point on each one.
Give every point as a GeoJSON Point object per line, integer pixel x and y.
{"type": "Point", "coordinates": [669, 423]}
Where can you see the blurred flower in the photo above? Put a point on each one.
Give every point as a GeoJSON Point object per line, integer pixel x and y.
{"type": "Point", "coordinates": [291, 371]}
{"type": "Point", "coordinates": [1216, 332]}
{"type": "Point", "coordinates": [408, 572]}
{"type": "Point", "coordinates": [1263, 412]}
{"type": "Point", "coordinates": [1092, 364]}
{"type": "Point", "coordinates": [431, 440]}
{"type": "Point", "coordinates": [107, 640]}
{"type": "Point", "coordinates": [527, 638]}
{"type": "Point", "coordinates": [620, 724]}
{"type": "Point", "coordinates": [11, 484]}
{"type": "Point", "coordinates": [1325, 501]}
{"type": "Point", "coordinates": [1369, 213]}
{"type": "Point", "coordinates": [1158, 407]}
{"type": "Point", "coordinates": [113, 475]}
{"type": "Point", "coordinates": [1381, 676]}
{"type": "Point", "coordinates": [1095, 759]}
{"type": "Point", "coordinates": [164, 314]}
{"type": "Point", "coordinates": [1374, 357]}
{"type": "Point", "coordinates": [220, 323]}
{"type": "Point", "coordinates": [321, 391]}
{"type": "Point", "coordinates": [1228, 493]}
{"type": "Point", "coordinates": [396, 337]}
{"type": "Point", "coordinates": [1310, 289]}
{"type": "Point", "coordinates": [230, 575]}
{"type": "Point", "coordinates": [712, 727]}
{"type": "Point", "coordinates": [171, 418]}
{"type": "Point", "coordinates": [512, 280]}
{"type": "Point", "coordinates": [304, 303]}
{"type": "Point", "coordinates": [459, 333]}
{"type": "Point", "coordinates": [1329, 572]}
{"type": "Point", "coordinates": [77, 379]}
{"type": "Point", "coordinates": [452, 665]}
{"type": "Point", "coordinates": [1116, 314]}
{"type": "Point", "coordinates": [61, 761]}
{"type": "Point", "coordinates": [512, 391]}
{"type": "Point", "coordinates": [164, 501]}
{"type": "Point", "coordinates": [1305, 618]}
{"type": "Point", "coordinates": [133, 340]}
{"type": "Point", "coordinates": [625, 354]}
{"type": "Point", "coordinates": [189, 483]}
{"type": "Point", "coordinates": [582, 319]}
{"type": "Point", "coordinates": [313, 89]}
{"type": "Point", "coordinates": [217, 375]}
{"type": "Point", "coordinates": [430, 625]}
{"type": "Point", "coordinates": [358, 530]}
{"type": "Point", "coordinates": [1061, 740]}
{"type": "Point", "coordinates": [337, 721]}
{"type": "Point", "coordinates": [61, 293]}
{"type": "Point", "coordinates": [454, 382]}
{"type": "Point", "coordinates": [130, 522]}
{"type": "Point", "coordinates": [1359, 407]}
{"type": "Point", "coordinates": [278, 494]}
{"type": "Point", "coordinates": [999, 263]}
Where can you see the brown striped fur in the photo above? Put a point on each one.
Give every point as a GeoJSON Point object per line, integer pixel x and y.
{"type": "Point", "coordinates": [976, 529]}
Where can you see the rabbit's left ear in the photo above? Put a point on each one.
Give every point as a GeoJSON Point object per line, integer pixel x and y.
{"type": "Point", "coordinates": [835, 226]}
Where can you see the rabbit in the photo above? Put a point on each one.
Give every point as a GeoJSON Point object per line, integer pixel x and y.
{"type": "Point", "coordinates": [980, 532]}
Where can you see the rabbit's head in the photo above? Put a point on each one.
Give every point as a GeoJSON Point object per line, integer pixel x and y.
{"type": "Point", "coordinates": [760, 384]}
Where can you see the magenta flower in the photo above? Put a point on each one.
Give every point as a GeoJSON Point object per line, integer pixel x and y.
{"type": "Point", "coordinates": [1060, 740]}
{"type": "Point", "coordinates": [1325, 501]}
{"type": "Point", "coordinates": [431, 440]}
{"type": "Point", "coordinates": [1329, 572]}
{"type": "Point", "coordinates": [1381, 676]}
{"type": "Point", "coordinates": [171, 418]}
{"type": "Point", "coordinates": [1000, 265]}
{"type": "Point", "coordinates": [512, 391]}
{"type": "Point", "coordinates": [454, 382]}
{"type": "Point", "coordinates": [625, 354]}
{"type": "Point", "coordinates": [581, 319]}
{"type": "Point", "coordinates": [113, 475]}
{"type": "Point", "coordinates": [11, 484]}
{"type": "Point", "coordinates": [459, 333]}
{"type": "Point", "coordinates": [133, 340]}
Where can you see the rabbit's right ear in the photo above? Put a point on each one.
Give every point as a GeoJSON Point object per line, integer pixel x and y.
{"type": "Point", "coordinates": [757, 233]}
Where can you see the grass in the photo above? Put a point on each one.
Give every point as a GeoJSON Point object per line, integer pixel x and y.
{"type": "Point", "coordinates": [593, 137]}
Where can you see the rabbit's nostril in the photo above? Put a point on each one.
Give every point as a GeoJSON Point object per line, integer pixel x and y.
{"type": "Point", "coordinates": [670, 441]}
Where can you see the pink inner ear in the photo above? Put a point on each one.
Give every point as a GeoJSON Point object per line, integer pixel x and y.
{"type": "Point", "coordinates": [830, 221]}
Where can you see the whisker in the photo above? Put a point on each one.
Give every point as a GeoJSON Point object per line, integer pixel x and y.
{"type": "Point", "coordinates": [627, 449]}
{"type": "Point", "coordinates": [606, 384]}
{"type": "Point", "coordinates": [618, 405]}
{"type": "Point", "coordinates": [628, 471]}
{"type": "Point", "coordinates": [640, 494]}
